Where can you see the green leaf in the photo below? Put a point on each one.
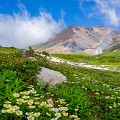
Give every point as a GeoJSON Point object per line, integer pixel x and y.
{"type": "Point", "coordinates": [1, 97]}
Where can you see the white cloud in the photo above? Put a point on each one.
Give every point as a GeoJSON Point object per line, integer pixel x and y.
{"type": "Point", "coordinates": [21, 30]}
{"type": "Point", "coordinates": [108, 10]}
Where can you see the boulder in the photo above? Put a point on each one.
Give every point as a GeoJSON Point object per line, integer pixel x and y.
{"type": "Point", "coordinates": [24, 52]}
{"type": "Point", "coordinates": [50, 76]}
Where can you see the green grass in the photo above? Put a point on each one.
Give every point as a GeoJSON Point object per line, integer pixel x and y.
{"type": "Point", "coordinates": [89, 94]}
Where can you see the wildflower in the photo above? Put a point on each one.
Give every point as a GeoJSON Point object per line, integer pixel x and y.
{"type": "Point", "coordinates": [32, 106]}
{"type": "Point", "coordinates": [37, 103]}
{"type": "Point", "coordinates": [40, 106]}
{"type": "Point", "coordinates": [30, 118]}
{"type": "Point", "coordinates": [55, 109]}
{"type": "Point", "coordinates": [11, 110]}
{"type": "Point", "coordinates": [7, 105]}
{"type": "Point", "coordinates": [4, 111]}
{"type": "Point", "coordinates": [97, 93]}
{"type": "Point", "coordinates": [26, 93]}
{"type": "Point", "coordinates": [61, 108]}
{"type": "Point", "coordinates": [36, 94]}
{"type": "Point", "coordinates": [51, 109]}
{"type": "Point", "coordinates": [16, 95]}
{"type": "Point", "coordinates": [48, 114]}
{"type": "Point", "coordinates": [110, 107]}
{"type": "Point", "coordinates": [30, 102]}
{"type": "Point", "coordinates": [76, 109]}
{"type": "Point", "coordinates": [54, 119]}
{"type": "Point", "coordinates": [16, 107]}
{"type": "Point", "coordinates": [25, 97]}
{"type": "Point", "coordinates": [19, 100]}
{"type": "Point", "coordinates": [65, 108]}
{"type": "Point", "coordinates": [50, 105]}
{"type": "Point", "coordinates": [37, 98]}
{"type": "Point", "coordinates": [24, 101]}
{"type": "Point", "coordinates": [67, 104]}
{"type": "Point", "coordinates": [19, 103]}
{"type": "Point", "coordinates": [58, 115]}
{"type": "Point", "coordinates": [37, 114]}
{"type": "Point", "coordinates": [70, 116]}
{"type": "Point", "coordinates": [29, 113]}
{"type": "Point", "coordinates": [18, 112]}
{"type": "Point", "coordinates": [7, 102]}
{"type": "Point", "coordinates": [22, 92]}
{"type": "Point", "coordinates": [65, 114]}
{"type": "Point", "coordinates": [42, 96]}
{"type": "Point", "coordinates": [52, 95]}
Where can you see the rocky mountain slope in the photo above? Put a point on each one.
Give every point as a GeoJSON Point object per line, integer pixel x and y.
{"type": "Point", "coordinates": [91, 40]}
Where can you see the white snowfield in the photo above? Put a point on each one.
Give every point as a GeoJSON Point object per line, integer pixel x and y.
{"type": "Point", "coordinates": [100, 67]}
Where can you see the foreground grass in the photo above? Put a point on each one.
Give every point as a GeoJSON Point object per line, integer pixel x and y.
{"type": "Point", "coordinates": [88, 94]}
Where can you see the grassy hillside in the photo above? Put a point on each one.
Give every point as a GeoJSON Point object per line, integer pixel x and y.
{"type": "Point", "coordinates": [110, 58]}
{"type": "Point", "coordinates": [88, 94]}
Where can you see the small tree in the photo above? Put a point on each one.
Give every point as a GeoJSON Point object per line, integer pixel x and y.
{"type": "Point", "coordinates": [31, 51]}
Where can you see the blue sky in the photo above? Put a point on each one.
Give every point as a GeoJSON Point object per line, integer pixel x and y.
{"type": "Point", "coordinates": [29, 22]}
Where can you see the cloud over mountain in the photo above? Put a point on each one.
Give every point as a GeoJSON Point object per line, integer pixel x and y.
{"type": "Point", "coordinates": [107, 10]}
{"type": "Point", "coordinates": [21, 30]}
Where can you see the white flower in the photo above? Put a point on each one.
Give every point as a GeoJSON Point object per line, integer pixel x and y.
{"type": "Point", "coordinates": [18, 112]}
{"type": "Point", "coordinates": [37, 114]}
{"type": "Point", "coordinates": [16, 95]}
{"type": "Point", "coordinates": [25, 97]}
{"type": "Point", "coordinates": [7, 105]}
{"type": "Point", "coordinates": [30, 118]}
{"type": "Point", "coordinates": [58, 115]}
{"type": "Point", "coordinates": [11, 110]}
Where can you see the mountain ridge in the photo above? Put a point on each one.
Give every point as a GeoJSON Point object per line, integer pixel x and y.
{"type": "Point", "coordinates": [79, 38]}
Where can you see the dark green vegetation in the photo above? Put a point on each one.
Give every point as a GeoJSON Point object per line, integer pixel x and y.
{"type": "Point", "coordinates": [89, 94]}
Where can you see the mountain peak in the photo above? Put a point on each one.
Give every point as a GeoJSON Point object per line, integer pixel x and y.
{"type": "Point", "coordinates": [92, 40]}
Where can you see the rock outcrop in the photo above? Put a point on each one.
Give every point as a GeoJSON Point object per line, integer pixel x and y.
{"type": "Point", "coordinates": [50, 76]}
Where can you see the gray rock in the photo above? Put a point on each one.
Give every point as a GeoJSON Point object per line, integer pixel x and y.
{"type": "Point", "coordinates": [24, 52]}
{"type": "Point", "coordinates": [50, 76]}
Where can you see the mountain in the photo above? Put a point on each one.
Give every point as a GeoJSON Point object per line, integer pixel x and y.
{"type": "Point", "coordinates": [91, 40]}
